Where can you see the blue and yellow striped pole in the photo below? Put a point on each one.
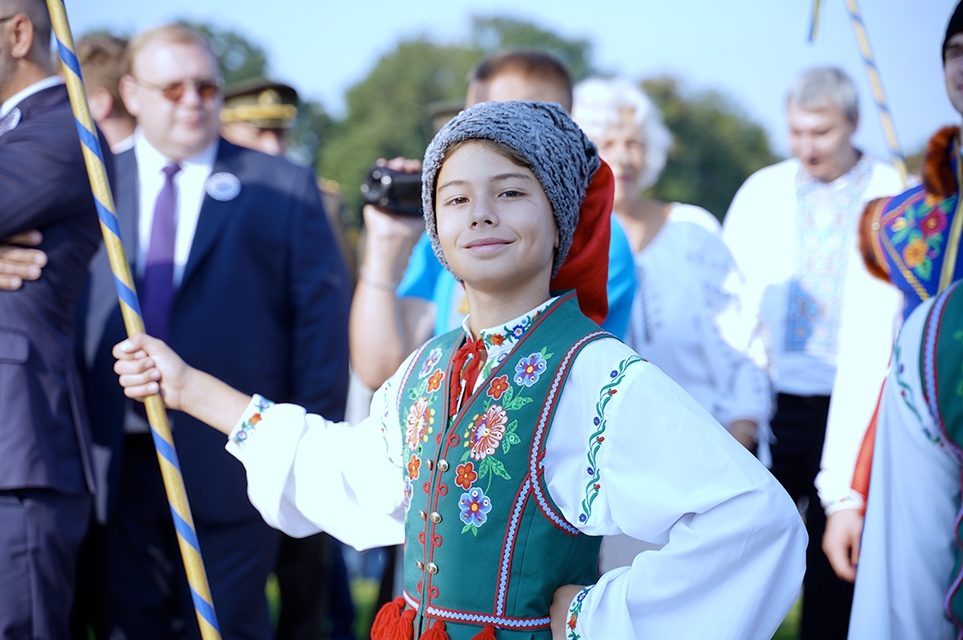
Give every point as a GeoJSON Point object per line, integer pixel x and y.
{"type": "Point", "coordinates": [895, 151]}
{"type": "Point", "coordinates": [160, 428]}
{"type": "Point", "coordinates": [862, 40]}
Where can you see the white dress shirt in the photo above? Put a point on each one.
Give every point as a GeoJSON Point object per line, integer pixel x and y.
{"type": "Point", "coordinates": [189, 183]}
{"type": "Point", "coordinates": [20, 96]}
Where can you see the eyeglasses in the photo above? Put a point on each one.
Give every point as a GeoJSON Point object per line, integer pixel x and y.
{"type": "Point", "coordinates": [9, 17]}
{"type": "Point", "coordinates": [206, 88]}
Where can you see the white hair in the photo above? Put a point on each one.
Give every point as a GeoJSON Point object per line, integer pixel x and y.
{"type": "Point", "coordinates": [813, 88]}
{"type": "Point", "coordinates": [598, 102]}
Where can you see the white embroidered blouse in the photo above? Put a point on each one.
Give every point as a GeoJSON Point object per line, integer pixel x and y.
{"type": "Point", "coordinates": [730, 545]}
{"type": "Point", "coordinates": [688, 319]}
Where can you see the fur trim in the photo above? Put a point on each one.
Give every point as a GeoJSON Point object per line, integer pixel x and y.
{"type": "Point", "coordinates": [869, 239]}
{"type": "Point", "coordinates": [938, 175]}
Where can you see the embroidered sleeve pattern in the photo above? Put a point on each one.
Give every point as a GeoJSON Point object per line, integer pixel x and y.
{"type": "Point", "coordinates": [606, 394]}
{"type": "Point", "coordinates": [574, 611]}
{"type": "Point", "coordinates": [250, 419]}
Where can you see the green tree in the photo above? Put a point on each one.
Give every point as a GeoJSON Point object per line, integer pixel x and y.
{"type": "Point", "coordinates": [238, 57]}
{"type": "Point", "coordinates": [493, 34]}
{"type": "Point", "coordinates": [716, 147]}
{"type": "Point", "coordinates": [387, 110]}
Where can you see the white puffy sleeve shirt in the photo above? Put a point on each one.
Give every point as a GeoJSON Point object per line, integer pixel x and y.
{"type": "Point", "coordinates": [731, 550]}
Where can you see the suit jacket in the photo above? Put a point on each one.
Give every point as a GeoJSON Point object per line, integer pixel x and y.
{"type": "Point", "coordinates": [263, 306]}
{"type": "Point", "coordinates": [44, 434]}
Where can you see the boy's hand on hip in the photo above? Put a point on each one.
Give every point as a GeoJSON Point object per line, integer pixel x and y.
{"type": "Point", "coordinates": [561, 602]}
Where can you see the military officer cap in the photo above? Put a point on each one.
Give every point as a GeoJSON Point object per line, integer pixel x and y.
{"type": "Point", "coordinates": [260, 102]}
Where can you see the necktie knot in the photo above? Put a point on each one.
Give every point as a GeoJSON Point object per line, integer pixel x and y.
{"type": "Point", "coordinates": [171, 170]}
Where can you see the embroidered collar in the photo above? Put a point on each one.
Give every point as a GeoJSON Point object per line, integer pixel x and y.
{"type": "Point", "coordinates": [500, 340]}
{"type": "Point", "coordinates": [854, 178]}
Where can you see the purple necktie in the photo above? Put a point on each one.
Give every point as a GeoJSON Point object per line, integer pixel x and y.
{"type": "Point", "coordinates": [157, 287]}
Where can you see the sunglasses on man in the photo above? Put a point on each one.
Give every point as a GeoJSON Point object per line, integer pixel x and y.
{"type": "Point", "coordinates": [206, 88]}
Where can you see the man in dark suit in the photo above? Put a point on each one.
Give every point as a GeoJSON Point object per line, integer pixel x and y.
{"type": "Point", "coordinates": [238, 270]}
{"type": "Point", "coordinates": [46, 477]}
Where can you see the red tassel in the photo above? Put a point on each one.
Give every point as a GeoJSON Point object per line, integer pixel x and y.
{"type": "Point", "coordinates": [403, 628]}
{"type": "Point", "coordinates": [437, 631]}
{"type": "Point", "coordinates": [388, 614]}
{"type": "Point", "coordinates": [488, 633]}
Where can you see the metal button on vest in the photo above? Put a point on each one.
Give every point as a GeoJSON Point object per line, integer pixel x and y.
{"type": "Point", "coordinates": [432, 568]}
{"type": "Point", "coordinates": [422, 514]}
{"type": "Point", "coordinates": [443, 465]}
{"type": "Point", "coordinates": [431, 465]}
{"type": "Point", "coordinates": [420, 565]}
{"type": "Point", "coordinates": [435, 517]}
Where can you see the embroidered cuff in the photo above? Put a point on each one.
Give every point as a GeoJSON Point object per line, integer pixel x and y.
{"type": "Point", "coordinates": [852, 500]}
{"type": "Point", "coordinates": [572, 628]}
{"type": "Point", "coordinates": [249, 419]}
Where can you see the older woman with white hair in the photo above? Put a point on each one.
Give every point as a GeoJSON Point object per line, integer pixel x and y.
{"type": "Point", "coordinates": [686, 316]}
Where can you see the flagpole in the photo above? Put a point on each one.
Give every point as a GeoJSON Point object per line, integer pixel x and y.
{"type": "Point", "coordinates": [133, 320]}
{"type": "Point", "coordinates": [869, 62]}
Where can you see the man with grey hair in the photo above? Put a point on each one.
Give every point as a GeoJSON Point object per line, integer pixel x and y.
{"type": "Point", "coordinates": [46, 477]}
{"type": "Point", "coordinates": [792, 230]}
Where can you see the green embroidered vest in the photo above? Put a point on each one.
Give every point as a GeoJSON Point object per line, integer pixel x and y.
{"type": "Point", "coordinates": [485, 543]}
{"type": "Point", "coordinates": [941, 370]}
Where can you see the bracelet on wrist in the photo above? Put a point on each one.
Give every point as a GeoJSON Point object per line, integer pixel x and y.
{"type": "Point", "coordinates": [377, 284]}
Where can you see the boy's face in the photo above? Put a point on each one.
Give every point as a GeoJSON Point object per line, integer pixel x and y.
{"type": "Point", "coordinates": [494, 222]}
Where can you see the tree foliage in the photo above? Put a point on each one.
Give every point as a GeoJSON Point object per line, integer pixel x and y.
{"type": "Point", "coordinates": [493, 34]}
{"type": "Point", "coordinates": [238, 57]}
{"type": "Point", "coordinates": [386, 114]}
{"type": "Point", "coordinates": [716, 147]}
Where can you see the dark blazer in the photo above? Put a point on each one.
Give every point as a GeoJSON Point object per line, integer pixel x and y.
{"type": "Point", "coordinates": [263, 306]}
{"type": "Point", "coordinates": [44, 434]}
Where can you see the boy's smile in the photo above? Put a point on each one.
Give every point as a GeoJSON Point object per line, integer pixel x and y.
{"type": "Point", "coordinates": [495, 223]}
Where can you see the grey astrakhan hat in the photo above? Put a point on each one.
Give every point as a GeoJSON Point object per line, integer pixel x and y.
{"type": "Point", "coordinates": [558, 153]}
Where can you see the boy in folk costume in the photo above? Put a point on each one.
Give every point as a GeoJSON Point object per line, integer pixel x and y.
{"type": "Point", "coordinates": [500, 452]}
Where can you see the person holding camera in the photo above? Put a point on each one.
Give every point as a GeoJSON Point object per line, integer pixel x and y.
{"type": "Point", "coordinates": [397, 307]}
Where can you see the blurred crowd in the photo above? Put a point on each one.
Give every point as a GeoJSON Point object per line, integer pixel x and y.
{"type": "Point", "coordinates": [780, 322]}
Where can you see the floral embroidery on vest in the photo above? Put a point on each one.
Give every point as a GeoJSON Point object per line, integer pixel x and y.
{"type": "Point", "coordinates": [597, 438]}
{"type": "Point", "coordinates": [419, 421]}
{"type": "Point", "coordinates": [489, 432]}
{"type": "Point", "coordinates": [434, 356]}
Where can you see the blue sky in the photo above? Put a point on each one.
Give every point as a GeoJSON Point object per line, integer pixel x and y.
{"type": "Point", "coordinates": [748, 49]}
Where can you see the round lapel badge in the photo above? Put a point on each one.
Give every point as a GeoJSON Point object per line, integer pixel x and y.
{"type": "Point", "coordinates": [10, 121]}
{"type": "Point", "coordinates": [223, 186]}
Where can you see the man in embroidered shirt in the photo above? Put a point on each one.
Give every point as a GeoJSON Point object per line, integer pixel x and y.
{"type": "Point", "coordinates": [792, 230]}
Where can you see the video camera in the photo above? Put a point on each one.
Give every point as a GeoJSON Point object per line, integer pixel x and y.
{"type": "Point", "coordinates": [396, 191]}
